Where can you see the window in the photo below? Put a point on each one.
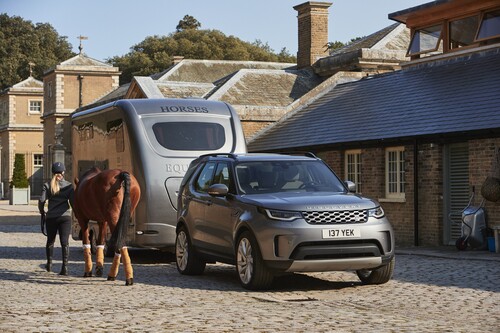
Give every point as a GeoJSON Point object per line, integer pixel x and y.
{"type": "Point", "coordinates": [395, 172]}
{"type": "Point", "coordinates": [86, 131]}
{"type": "Point", "coordinates": [462, 31]}
{"type": "Point", "coordinates": [425, 40]}
{"type": "Point", "coordinates": [49, 90]}
{"type": "Point", "coordinates": [38, 160]}
{"type": "Point", "coordinates": [190, 135]}
{"type": "Point", "coordinates": [490, 25]}
{"type": "Point", "coordinates": [222, 175]}
{"type": "Point", "coordinates": [353, 167]}
{"type": "Point", "coordinates": [205, 177]}
{"type": "Point", "coordinates": [35, 107]}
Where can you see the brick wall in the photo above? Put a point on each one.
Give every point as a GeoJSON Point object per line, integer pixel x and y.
{"type": "Point", "coordinates": [481, 156]}
{"type": "Point", "coordinates": [312, 32]}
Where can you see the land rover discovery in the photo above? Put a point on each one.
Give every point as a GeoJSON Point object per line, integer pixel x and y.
{"type": "Point", "coordinates": [270, 214]}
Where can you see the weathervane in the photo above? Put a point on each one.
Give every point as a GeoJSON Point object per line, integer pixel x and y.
{"type": "Point", "coordinates": [31, 64]}
{"type": "Point", "coordinates": [81, 38]}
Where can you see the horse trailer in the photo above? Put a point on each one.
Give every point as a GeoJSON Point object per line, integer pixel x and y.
{"type": "Point", "coordinates": [155, 140]}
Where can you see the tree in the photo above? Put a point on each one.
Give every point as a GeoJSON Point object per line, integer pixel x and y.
{"type": "Point", "coordinates": [188, 22]}
{"type": "Point", "coordinates": [19, 177]}
{"type": "Point", "coordinates": [333, 46]}
{"type": "Point", "coordinates": [155, 53]}
{"type": "Point", "coordinates": [22, 42]}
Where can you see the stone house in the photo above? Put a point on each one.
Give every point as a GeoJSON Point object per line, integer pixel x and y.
{"type": "Point", "coordinates": [21, 132]}
{"type": "Point", "coordinates": [423, 139]}
{"type": "Point", "coordinates": [71, 84]}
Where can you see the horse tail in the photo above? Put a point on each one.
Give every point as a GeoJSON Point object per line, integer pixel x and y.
{"type": "Point", "coordinates": [120, 232]}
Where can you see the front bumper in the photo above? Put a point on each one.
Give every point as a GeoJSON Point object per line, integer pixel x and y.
{"type": "Point", "coordinates": [299, 247]}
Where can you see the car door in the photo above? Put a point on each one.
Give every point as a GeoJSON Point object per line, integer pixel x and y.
{"type": "Point", "coordinates": [220, 214]}
{"type": "Point", "coordinates": [198, 200]}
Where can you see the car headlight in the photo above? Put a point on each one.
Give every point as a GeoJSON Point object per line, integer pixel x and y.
{"type": "Point", "coordinates": [282, 215]}
{"type": "Point", "coordinates": [377, 212]}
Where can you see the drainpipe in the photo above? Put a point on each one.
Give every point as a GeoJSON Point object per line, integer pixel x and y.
{"type": "Point", "coordinates": [415, 192]}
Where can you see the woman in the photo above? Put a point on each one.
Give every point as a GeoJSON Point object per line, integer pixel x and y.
{"type": "Point", "coordinates": [59, 193]}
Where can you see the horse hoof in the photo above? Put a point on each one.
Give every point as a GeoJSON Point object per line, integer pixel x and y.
{"type": "Point", "coordinates": [98, 271]}
{"type": "Point", "coordinates": [129, 282]}
{"type": "Point", "coordinates": [87, 274]}
{"type": "Point", "coordinates": [110, 278]}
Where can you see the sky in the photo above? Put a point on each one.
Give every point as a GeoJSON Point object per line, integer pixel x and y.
{"type": "Point", "coordinates": [114, 26]}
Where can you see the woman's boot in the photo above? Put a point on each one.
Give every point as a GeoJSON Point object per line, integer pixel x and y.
{"type": "Point", "coordinates": [49, 250]}
{"type": "Point", "coordinates": [65, 257]}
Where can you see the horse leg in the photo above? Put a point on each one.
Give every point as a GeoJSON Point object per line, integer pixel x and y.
{"type": "Point", "coordinates": [113, 272]}
{"type": "Point", "coordinates": [99, 261]}
{"type": "Point", "coordinates": [87, 255]}
{"type": "Point", "coordinates": [127, 267]}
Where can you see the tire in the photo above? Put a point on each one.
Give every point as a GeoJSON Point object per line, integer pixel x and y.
{"type": "Point", "coordinates": [252, 272]}
{"type": "Point", "coordinates": [379, 275]}
{"type": "Point", "coordinates": [461, 243]}
{"type": "Point", "coordinates": [185, 256]}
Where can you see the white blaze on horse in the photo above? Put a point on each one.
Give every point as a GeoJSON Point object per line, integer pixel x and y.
{"type": "Point", "coordinates": [108, 197]}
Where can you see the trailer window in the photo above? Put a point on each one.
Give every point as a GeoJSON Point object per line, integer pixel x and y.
{"type": "Point", "coordinates": [190, 135]}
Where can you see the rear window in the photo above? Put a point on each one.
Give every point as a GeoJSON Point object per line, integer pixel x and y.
{"type": "Point", "coordinates": [190, 135]}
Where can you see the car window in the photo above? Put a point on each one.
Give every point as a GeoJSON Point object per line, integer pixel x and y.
{"type": "Point", "coordinates": [222, 175]}
{"type": "Point", "coordinates": [204, 179]}
{"type": "Point", "coordinates": [280, 176]}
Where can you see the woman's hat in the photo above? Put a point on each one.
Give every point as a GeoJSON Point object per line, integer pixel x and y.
{"type": "Point", "coordinates": [58, 167]}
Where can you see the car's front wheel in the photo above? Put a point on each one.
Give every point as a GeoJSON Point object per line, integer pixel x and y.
{"type": "Point", "coordinates": [252, 272]}
{"type": "Point", "coordinates": [186, 260]}
{"type": "Point", "coordinates": [379, 275]}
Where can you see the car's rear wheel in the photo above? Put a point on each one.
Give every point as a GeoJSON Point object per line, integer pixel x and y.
{"type": "Point", "coordinates": [379, 275]}
{"type": "Point", "coordinates": [252, 272]}
{"type": "Point", "coordinates": [186, 260]}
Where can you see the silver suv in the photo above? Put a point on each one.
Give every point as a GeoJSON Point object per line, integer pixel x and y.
{"type": "Point", "coordinates": [270, 214]}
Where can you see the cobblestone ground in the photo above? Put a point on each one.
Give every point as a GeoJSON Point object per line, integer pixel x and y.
{"type": "Point", "coordinates": [426, 295]}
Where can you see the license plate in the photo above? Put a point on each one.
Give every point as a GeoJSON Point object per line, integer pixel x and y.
{"type": "Point", "coordinates": [342, 233]}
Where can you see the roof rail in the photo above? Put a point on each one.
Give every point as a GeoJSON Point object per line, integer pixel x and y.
{"type": "Point", "coordinates": [231, 155]}
{"type": "Point", "coordinates": [301, 153]}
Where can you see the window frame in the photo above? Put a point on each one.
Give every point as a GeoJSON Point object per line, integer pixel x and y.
{"type": "Point", "coordinates": [438, 42]}
{"type": "Point", "coordinates": [481, 19]}
{"type": "Point", "coordinates": [358, 164]}
{"type": "Point", "coordinates": [30, 111]}
{"type": "Point", "coordinates": [400, 173]}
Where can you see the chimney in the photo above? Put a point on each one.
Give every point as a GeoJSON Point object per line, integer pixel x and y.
{"type": "Point", "coordinates": [313, 32]}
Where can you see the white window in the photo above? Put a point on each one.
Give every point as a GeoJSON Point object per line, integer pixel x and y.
{"type": "Point", "coordinates": [38, 160]}
{"type": "Point", "coordinates": [353, 167]}
{"type": "Point", "coordinates": [395, 173]}
{"type": "Point", "coordinates": [35, 107]}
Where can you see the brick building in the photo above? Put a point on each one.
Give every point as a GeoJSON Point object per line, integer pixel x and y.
{"type": "Point", "coordinates": [423, 139]}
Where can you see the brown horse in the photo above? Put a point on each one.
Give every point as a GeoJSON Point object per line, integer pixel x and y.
{"type": "Point", "coordinates": [99, 197]}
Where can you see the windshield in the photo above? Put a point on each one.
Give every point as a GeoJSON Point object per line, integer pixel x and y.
{"type": "Point", "coordinates": [286, 176]}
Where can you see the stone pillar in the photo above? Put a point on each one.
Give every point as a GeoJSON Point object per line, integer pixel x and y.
{"type": "Point", "coordinates": [312, 32]}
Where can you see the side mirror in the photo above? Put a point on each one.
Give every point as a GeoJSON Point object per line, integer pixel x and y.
{"type": "Point", "coordinates": [351, 187]}
{"type": "Point", "coordinates": [218, 190]}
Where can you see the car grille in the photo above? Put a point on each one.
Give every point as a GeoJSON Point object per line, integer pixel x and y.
{"type": "Point", "coordinates": [336, 217]}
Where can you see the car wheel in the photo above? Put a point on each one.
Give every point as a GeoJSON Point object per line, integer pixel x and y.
{"type": "Point", "coordinates": [252, 272]}
{"type": "Point", "coordinates": [379, 275]}
{"type": "Point", "coordinates": [186, 260]}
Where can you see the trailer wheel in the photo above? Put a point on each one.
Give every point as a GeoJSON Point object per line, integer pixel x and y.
{"type": "Point", "coordinates": [461, 243]}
